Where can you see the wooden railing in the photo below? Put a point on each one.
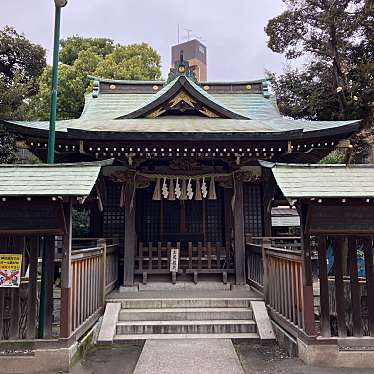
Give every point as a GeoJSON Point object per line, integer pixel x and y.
{"type": "Point", "coordinates": [285, 242]}
{"type": "Point", "coordinates": [277, 274]}
{"type": "Point", "coordinates": [198, 258]}
{"type": "Point", "coordinates": [255, 267]}
{"type": "Point", "coordinates": [94, 275]}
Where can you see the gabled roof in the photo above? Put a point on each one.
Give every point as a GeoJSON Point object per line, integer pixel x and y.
{"type": "Point", "coordinates": [323, 181]}
{"type": "Point", "coordinates": [172, 89]}
{"type": "Point", "coordinates": [75, 180]}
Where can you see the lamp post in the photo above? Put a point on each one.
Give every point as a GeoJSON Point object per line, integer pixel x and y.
{"type": "Point", "coordinates": [56, 49]}
{"type": "Point", "coordinates": [51, 153]}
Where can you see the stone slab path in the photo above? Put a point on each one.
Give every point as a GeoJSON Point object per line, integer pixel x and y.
{"type": "Point", "coordinates": [200, 356]}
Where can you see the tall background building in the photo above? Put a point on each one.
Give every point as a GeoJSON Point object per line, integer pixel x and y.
{"type": "Point", "coordinates": [195, 53]}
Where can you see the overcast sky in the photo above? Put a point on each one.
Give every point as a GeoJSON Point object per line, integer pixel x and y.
{"type": "Point", "coordinates": [232, 30]}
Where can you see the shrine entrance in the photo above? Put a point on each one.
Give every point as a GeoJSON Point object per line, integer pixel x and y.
{"type": "Point", "coordinates": [198, 228]}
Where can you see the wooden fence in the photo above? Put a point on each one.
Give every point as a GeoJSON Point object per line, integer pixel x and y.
{"type": "Point", "coordinates": [346, 300]}
{"type": "Point", "coordinates": [209, 258]}
{"type": "Point", "coordinates": [94, 275]}
{"type": "Point", "coordinates": [277, 274]}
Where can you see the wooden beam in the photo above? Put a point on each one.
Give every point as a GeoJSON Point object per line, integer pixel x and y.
{"type": "Point", "coordinates": [32, 289]}
{"type": "Point", "coordinates": [269, 188]}
{"type": "Point", "coordinates": [50, 265]}
{"type": "Point", "coordinates": [308, 308]}
{"type": "Point", "coordinates": [66, 276]}
{"type": "Point", "coordinates": [355, 288]}
{"type": "Point", "coordinates": [239, 239]}
{"type": "Point", "coordinates": [228, 214]}
{"type": "Point", "coordinates": [324, 288]}
{"type": "Point", "coordinates": [130, 233]}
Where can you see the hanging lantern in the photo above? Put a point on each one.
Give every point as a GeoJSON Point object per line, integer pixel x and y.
{"type": "Point", "coordinates": [157, 191]}
{"type": "Point", "coordinates": [171, 190]}
{"type": "Point", "coordinates": [212, 190]}
{"type": "Point", "coordinates": [198, 190]}
{"type": "Point", "coordinates": [204, 189]}
{"type": "Point", "coordinates": [189, 190]}
{"type": "Point", "coordinates": [183, 195]}
{"type": "Point", "coordinates": [165, 191]}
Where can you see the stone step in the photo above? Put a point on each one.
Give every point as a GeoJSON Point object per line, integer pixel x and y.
{"type": "Point", "coordinates": [156, 303]}
{"type": "Point", "coordinates": [140, 338]}
{"type": "Point", "coordinates": [186, 327]}
{"type": "Point", "coordinates": [185, 314]}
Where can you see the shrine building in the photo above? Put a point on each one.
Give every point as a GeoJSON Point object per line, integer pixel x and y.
{"type": "Point", "coordinates": [186, 170]}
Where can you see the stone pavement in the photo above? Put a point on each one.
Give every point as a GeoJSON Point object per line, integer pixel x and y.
{"type": "Point", "coordinates": [200, 356]}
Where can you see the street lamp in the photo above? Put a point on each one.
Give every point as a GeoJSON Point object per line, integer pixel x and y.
{"type": "Point", "coordinates": [51, 152]}
{"type": "Point", "coordinates": [53, 113]}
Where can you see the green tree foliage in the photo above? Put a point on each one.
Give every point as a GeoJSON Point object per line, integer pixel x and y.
{"type": "Point", "coordinates": [21, 63]}
{"type": "Point", "coordinates": [336, 37]}
{"type": "Point", "coordinates": [135, 61]}
{"type": "Point", "coordinates": [7, 147]}
{"type": "Point", "coordinates": [99, 57]}
{"type": "Point", "coordinates": [72, 46]}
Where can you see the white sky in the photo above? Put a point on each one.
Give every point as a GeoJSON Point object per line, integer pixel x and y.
{"type": "Point", "coordinates": [233, 30]}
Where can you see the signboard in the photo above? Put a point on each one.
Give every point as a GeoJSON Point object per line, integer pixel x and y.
{"type": "Point", "coordinates": [174, 260]}
{"type": "Point", "coordinates": [10, 270]}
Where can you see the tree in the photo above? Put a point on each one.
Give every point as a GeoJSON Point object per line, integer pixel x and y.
{"type": "Point", "coordinates": [136, 61]}
{"type": "Point", "coordinates": [21, 63]}
{"type": "Point", "coordinates": [71, 47]}
{"type": "Point", "coordinates": [7, 147]}
{"type": "Point", "coordinates": [335, 37]}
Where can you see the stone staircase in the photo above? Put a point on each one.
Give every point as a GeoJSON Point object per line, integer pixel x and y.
{"type": "Point", "coordinates": [139, 319]}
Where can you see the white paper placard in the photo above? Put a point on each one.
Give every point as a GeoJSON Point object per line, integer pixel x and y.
{"type": "Point", "coordinates": [174, 260]}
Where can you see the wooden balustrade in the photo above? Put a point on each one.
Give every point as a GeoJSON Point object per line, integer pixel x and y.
{"type": "Point", "coordinates": [277, 273]}
{"type": "Point", "coordinates": [285, 242]}
{"type": "Point", "coordinates": [196, 259]}
{"type": "Point", "coordinates": [285, 285]}
{"type": "Point", "coordinates": [94, 275]}
{"type": "Point", "coordinates": [255, 268]}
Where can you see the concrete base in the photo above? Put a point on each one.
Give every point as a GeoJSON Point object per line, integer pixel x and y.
{"type": "Point", "coordinates": [331, 356]}
{"type": "Point", "coordinates": [108, 325]}
{"type": "Point", "coordinates": [39, 360]}
{"type": "Point", "coordinates": [264, 326]}
{"type": "Point", "coordinates": [285, 340]}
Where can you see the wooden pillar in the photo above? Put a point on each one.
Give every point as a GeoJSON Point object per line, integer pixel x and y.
{"type": "Point", "coordinates": [269, 187]}
{"type": "Point", "coordinates": [130, 233]}
{"type": "Point", "coordinates": [308, 311]}
{"type": "Point", "coordinates": [66, 276]}
{"type": "Point", "coordinates": [32, 289]}
{"type": "Point", "coordinates": [50, 265]}
{"type": "Point", "coordinates": [228, 214]}
{"type": "Point", "coordinates": [239, 239]}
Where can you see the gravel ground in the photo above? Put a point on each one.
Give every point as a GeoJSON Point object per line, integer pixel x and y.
{"type": "Point", "coordinates": [258, 359]}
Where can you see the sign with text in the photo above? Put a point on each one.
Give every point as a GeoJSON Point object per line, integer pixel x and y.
{"type": "Point", "coordinates": [10, 270]}
{"type": "Point", "coordinates": [174, 260]}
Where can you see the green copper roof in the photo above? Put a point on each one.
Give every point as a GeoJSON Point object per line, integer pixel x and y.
{"type": "Point", "coordinates": [323, 181]}
{"type": "Point", "coordinates": [186, 124]}
{"type": "Point", "coordinates": [174, 86]}
{"type": "Point", "coordinates": [49, 180]}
